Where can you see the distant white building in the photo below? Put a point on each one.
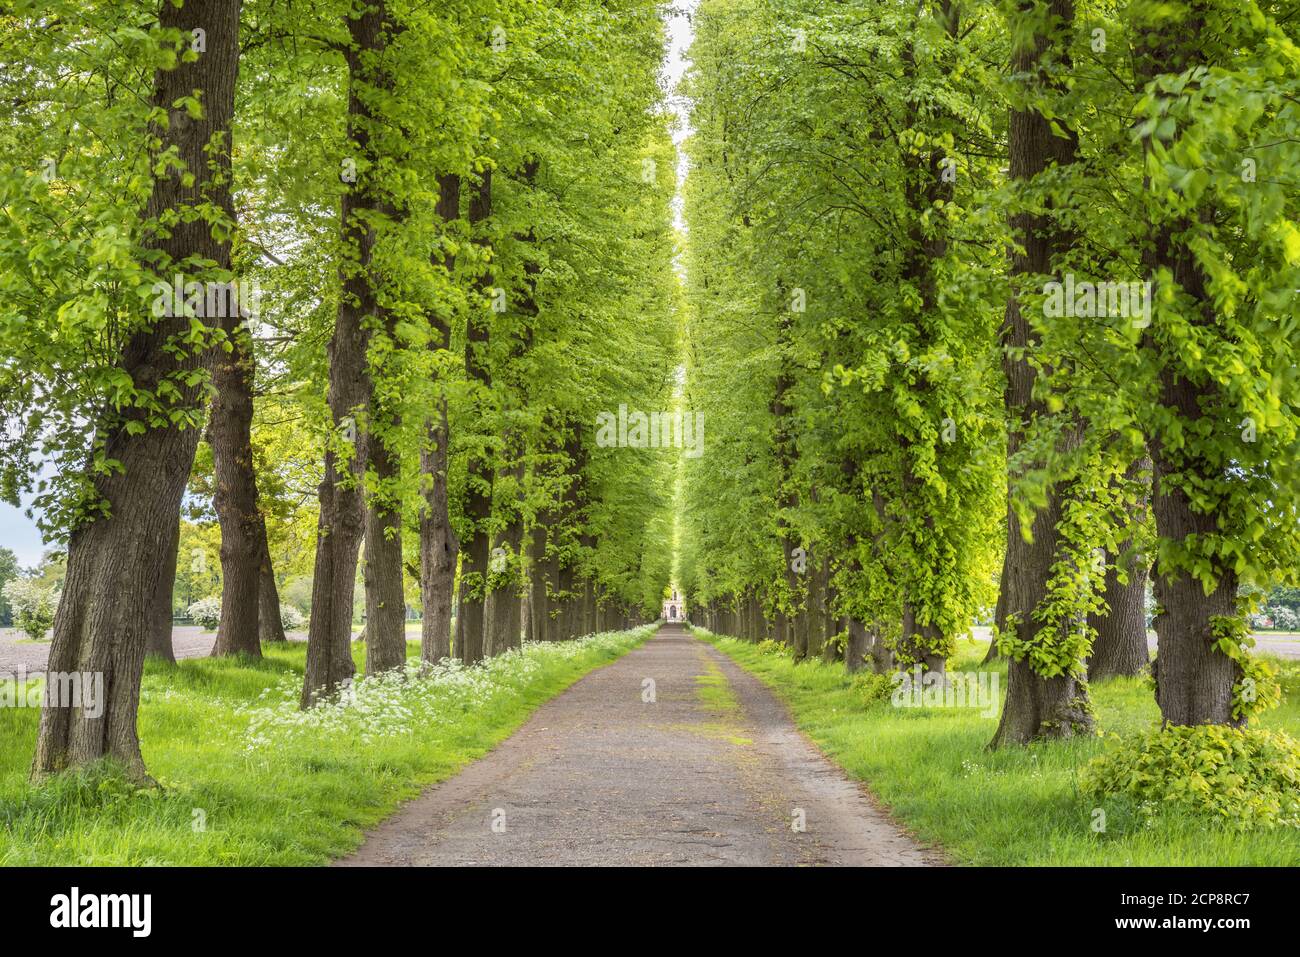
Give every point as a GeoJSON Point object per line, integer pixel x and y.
{"type": "Point", "coordinates": [674, 608]}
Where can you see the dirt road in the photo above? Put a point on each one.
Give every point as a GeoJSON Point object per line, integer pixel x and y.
{"type": "Point", "coordinates": [670, 755]}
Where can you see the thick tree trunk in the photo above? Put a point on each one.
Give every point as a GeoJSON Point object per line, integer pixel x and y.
{"type": "Point", "coordinates": [879, 654]}
{"type": "Point", "coordinates": [234, 495]}
{"type": "Point", "coordinates": [385, 594]}
{"type": "Point", "coordinates": [478, 494]}
{"type": "Point", "coordinates": [501, 611]}
{"type": "Point", "coordinates": [270, 627]}
{"type": "Point", "coordinates": [505, 587]}
{"type": "Point", "coordinates": [1194, 679]}
{"type": "Point", "coordinates": [342, 511]}
{"type": "Point", "coordinates": [918, 642]}
{"type": "Point", "coordinates": [1120, 647]}
{"type": "Point", "coordinates": [439, 547]}
{"type": "Point", "coordinates": [565, 603]}
{"type": "Point", "coordinates": [115, 562]}
{"type": "Point", "coordinates": [159, 642]}
{"type": "Point", "coordinates": [1036, 707]}
{"type": "Point", "coordinates": [855, 649]}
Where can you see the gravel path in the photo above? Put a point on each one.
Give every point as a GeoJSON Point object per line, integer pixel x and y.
{"type": "Point", "coordinates": [712, 771]}
{"type": "Point", "coordinates": [18, 655]}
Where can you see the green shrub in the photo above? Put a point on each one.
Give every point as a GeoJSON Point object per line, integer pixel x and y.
{"type": "Point", "coordinates": [770, 647]}
{"type": "Point", "coordinates": [872, 688]}
{"type": "Point", "coordinates": [206, 612]}
{"type": "Point", "coordinates": [33, 604]}
{"type": "Point", "coordinates": [1246, 777]}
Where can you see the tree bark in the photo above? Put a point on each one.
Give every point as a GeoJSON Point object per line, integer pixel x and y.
{"type": "Point", "coordinates": [385, 594]}
{"type": "Point", "coordinates": [159, 642]}
{"type": "Point", "coordinates": [478, 493]}
{"type": "Point", "coordinates": [342, 512]}
{"type": "Point", "coordinates": [115, 562]}
{"type": "Point", "coordinates": [439, 547]}
{"type": "Point", "coordinates": [1120, 647]}
{"type": "Point", "coordinates": [505, 588]}
{"type": "Point", "coordinates": [783, 450]}
{"type": "Point", "coordinates": [270, 627]}
{"type": "Point", "coordinates": [1194, 679]}
{"type": "Point", "coordinates": [234, 495]}
{"type": "Point", "coordinates": [855, 649]}
{"type": "Point", "coordinates": [1036, 707]}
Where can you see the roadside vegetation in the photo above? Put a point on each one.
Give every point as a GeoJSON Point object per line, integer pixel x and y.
{"type": "Point", "coordinates": [1020, 806]}
{"type": "Point", "coordinates": [249, 779]}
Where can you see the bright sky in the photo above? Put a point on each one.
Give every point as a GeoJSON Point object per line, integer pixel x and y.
{"type": "Point", "coordinates": [19, 535]}
{"type": "Point", "coordinates": [680, 34]}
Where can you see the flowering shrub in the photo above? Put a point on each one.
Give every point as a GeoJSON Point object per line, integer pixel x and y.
{"type": "Point", "coordinates": [402, 702]}
{"type": "Point", "coordinates": [1284, 618]}
{"type": "Point", "coordinates": [206, 612]}
{"type": "Point", "coordinates": [291, 618]}
{"type": "Point", "coordinates": [33, 605]}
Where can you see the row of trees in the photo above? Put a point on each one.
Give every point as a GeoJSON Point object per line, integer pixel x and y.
{"type": "Point", "coordinates": [404, 252]}
{"type": "Point", "coordinates": [992, 312]}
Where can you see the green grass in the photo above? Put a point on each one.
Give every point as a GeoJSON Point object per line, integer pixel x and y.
{"type": "Point", "coordinates": [268, 784]}
{"type": "Point", "coordinates": [1017, 806]}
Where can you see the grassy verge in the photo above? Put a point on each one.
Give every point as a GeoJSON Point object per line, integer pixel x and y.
{"type": "Point", "coordinates": [248, 779]}
{"type": "Point", "coordinates": [1019, 806]}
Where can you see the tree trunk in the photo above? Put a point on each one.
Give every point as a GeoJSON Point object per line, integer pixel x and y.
{"type": "Point", "coordinates": [564, 612]}
{"type": "Point", "coordinates": [234, 495]}
{"type": "Point", "coordinates": [505, 587]}
{"type": "Point", "coordinates": [439, 547]}
{"type": "Point", "coordinates": [385, 594]}
{"type": "Point", "coordinates": [115, 562]}
{"type": "Point", "coordinates": [159, 642]}
{"type": "Point", "coordinates": [1120, 647]}
{"type": "Point", "coordinates": [1036, 707]}
{"type": "Point", "coordinates": [270, 627]}
{"type": "Point", "coordinates": [855, 649]}
{"type": "Point", "coordinates": [478, 493]}
{"type": "Point", "coordinates": [342, 512]}
{"type": "Point", "coordinates": [919, 641]}
{"type": "Point", "coordinates": [501, 611]}
{"type": "Point", "coordinates": [879, 653]}
{"type": "Point", "coordinates": [1194, 679]}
